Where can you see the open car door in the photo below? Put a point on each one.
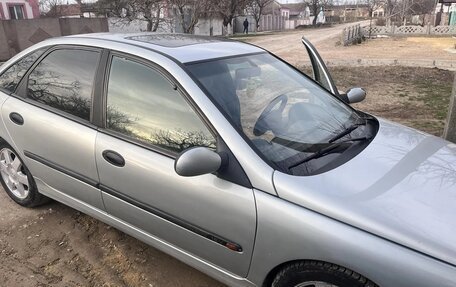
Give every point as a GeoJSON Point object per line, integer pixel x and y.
{"type": "Point", "coordinates": [320, 71]}
{"type": "Point", "coordinates": [321, 75]}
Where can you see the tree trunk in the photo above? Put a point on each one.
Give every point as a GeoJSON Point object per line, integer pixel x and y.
{"type": "Point", "coordinates": [157, 20]}
{"type": "Point", "coordinates": [450, 127]}
{"type": "Point", "coordinates": [315, 10]}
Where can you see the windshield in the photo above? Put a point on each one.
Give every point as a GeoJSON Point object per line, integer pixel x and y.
{"type": "Point", "coordinates": [284, 114]}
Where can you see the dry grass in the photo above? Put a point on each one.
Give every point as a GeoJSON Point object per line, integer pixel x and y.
{"type": "Point", "coordinates": [416, 97]}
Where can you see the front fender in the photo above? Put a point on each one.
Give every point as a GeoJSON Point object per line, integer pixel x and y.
{"type": "Point", "coordinates": [288, 232]}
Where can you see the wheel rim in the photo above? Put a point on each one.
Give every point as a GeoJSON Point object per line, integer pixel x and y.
{"type": "Point", "coordinates": [13, 173]}
{"type": "Point", "coordinates": [315, 284]}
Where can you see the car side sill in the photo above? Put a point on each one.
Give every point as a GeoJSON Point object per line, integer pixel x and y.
{"type": "Point", "coordinates": [187, 258]}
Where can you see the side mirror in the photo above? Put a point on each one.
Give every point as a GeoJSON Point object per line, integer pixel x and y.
{"type": "Point", "coordinates": [197, 161]}
{"type": "Point", "coordinates": [355, 95]}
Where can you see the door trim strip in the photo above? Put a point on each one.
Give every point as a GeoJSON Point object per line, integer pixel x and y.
{"type": "Point", "coordinates": [62, 169]}
{"type": "Point", "coordinates": [166, 216]}
{"type": "Point", "coordinates": [175, 220]}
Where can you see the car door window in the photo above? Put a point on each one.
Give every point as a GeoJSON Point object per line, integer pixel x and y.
{"type": "Point", "coordinates": [145, 105]}
{"type": "Point", "coordinates": [13, 75]}
{"type": "Point", "coordinates": [64, 80]}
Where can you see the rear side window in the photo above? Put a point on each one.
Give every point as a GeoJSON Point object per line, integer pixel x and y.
{"type": "Point", "coordinates": [64, 81]}
{"type": "Point", "coordinates": [13, 75]}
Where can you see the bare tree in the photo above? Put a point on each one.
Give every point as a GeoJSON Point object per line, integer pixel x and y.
{"type": "Point", "coordinates": [315, 7]}
{"type": "Point", "coordinates": [49, 7]}
{"type": "Point", "coordinates": [400, 10]}
{"type": "Point", "coordinates": [179, 140]}
{"type": "Point", "coordinates": [189, 12]}
{"type": "Point", "coordinates": [228, 9]}
{"type": "Point", "coordinates": [142, 10]}
{"type": "Point", "coordinates": [372, 5]}
{"type": "Point", "coordinates": [256, 7]}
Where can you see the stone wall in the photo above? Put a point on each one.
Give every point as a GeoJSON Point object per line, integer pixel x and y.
{"type": "Point", "coordinates": [17, 35]}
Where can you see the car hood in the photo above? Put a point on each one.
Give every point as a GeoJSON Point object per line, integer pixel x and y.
{"type": "Point", "coordinates": [401, 187]}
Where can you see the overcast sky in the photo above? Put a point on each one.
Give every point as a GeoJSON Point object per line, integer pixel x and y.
{"type": "Point", "coordinates": [289, 1]}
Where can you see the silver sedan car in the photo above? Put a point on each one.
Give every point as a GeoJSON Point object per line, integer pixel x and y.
{"type": "Point", "coordinates": [233, 161]}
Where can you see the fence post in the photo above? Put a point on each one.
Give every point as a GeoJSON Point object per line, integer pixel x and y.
{"type": "Point", "coordinates": [342, 39]}
{"type": "Point", "coordinates": [450, 127]}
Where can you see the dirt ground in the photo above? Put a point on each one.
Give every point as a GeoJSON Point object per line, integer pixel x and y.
{"type": "Point", "coordinates": [327, 40]}
{"type": "Point", "coordinates": [415, 97]}
{"type": "Point", "coordinates": [57, 246]}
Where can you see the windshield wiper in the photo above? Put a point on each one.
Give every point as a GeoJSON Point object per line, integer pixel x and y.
{"type": "Point", "coordinates": [347, 131]}
{"type": "Point", "coordinates": [326, 150]}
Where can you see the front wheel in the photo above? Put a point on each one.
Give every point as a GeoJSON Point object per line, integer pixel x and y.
{"type": "Point", "coordinates": [17, 180]}
{"type": "Point", "coordinates": [319, 274]}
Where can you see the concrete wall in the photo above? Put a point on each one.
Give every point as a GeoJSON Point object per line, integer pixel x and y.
{"type": "Point", "coordinates": [120, 25]}
{"type": "Point", "coordinates": [16, 35]}
{"type": "Point", "coordinates": [204, 26]}
{"type": "Point", "coordinates": [209, 27]}
{"type": "Point", "coordinates": [238, 24]}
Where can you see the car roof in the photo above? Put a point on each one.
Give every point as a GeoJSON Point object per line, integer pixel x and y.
{"type": "Point", "coordinates": [182, 47]}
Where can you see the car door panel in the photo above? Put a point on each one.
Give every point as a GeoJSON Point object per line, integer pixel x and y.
{"type": "Point", "coordinates": [320, 71]}
{"type": "Point", "coordinates": [198, 214]}
{"type": "Point", "coordinates": [53, 156]}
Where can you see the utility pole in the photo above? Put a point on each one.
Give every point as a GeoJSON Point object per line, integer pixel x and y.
{"type": "Point", "coordinates": [450, 127]}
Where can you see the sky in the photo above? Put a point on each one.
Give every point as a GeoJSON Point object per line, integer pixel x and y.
{"type": "Point", "coordinates": [289, 1]}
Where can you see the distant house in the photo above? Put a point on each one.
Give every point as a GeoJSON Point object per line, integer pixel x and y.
{"type": "Point", "coordinates": [19, 9]}
{"type": "Point", "coordinates": [77, 10]}
{"type": "Point", "coordinates": [273, 8]}
{"type": "Point", "coordinates": [296, 11]}
{"type": "Point", "coordinates": [378, 11]}
{"type": "Point", "coordinates": [347, 12]}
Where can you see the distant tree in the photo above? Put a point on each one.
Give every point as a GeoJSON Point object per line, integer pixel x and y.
{"type": "Point", "coordinates": [119, 121]}
{"type": "Point", "coordinates": [401, 10]}
{"type": "Point", "coordinates": [315, 7]}
{"type": "Point", "coordinates": [228, 9]}
{"type": "Point", "coordinates": [371, 6]}
{"type": "Point", "coordinates": [189, 12]}
{"type": "Point", "coordinates": [148, 11]}
{"type": "Point", "coordinates": [256, 7]}
{"type": "Point", "coordinates": [179, 140]}
{"type": "Point", "coordinates": [48, 8]}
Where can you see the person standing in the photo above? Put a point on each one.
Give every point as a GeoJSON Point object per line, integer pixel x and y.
{"type": "Point", "coordinates": [246, 26]}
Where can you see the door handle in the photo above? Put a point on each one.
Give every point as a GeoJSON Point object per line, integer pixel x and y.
{"type": "Point", "coordinates": [16, 118]}
{"type": "Point", "coordinates": [114, 158]}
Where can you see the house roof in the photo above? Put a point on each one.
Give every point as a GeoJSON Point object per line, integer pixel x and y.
{"type": "Point", "coordinates": [295, 8]}
{"type": "Point", "coordinates": [65, 10]}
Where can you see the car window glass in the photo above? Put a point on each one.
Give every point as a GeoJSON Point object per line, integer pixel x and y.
{"type": "Point", "coordinates": [64, 80]}
{"type": "Point", "coordinates": [143, 104]}
{"type": "Point", "coordinates": [13, 75]}
{"type": "Point", "coordinates": [285, 115]}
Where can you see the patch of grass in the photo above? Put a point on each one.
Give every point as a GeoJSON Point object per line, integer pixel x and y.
{"type": "Point", "coordinates": [436, 96]}
{"type": "Point", "coordinates": [416, 97]}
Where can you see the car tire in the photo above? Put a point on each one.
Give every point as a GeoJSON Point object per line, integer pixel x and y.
{"type": "Point", "coordinates": [319, 274]}
{"type": "Point", "coordinates": [16, 179]}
